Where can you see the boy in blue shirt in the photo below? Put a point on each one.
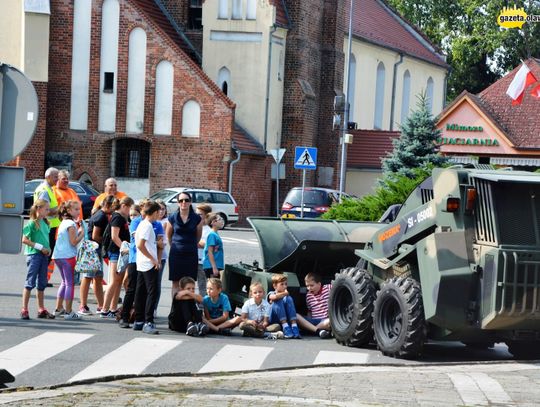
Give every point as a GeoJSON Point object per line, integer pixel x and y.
{"type": "Point", "coordinates": [217, 308]}
{"type": "Point", "coordinates": [213, 250]}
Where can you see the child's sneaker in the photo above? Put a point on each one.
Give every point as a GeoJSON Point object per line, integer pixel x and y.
{"type": "Point", "coordinates": [287, 332]}
{"type": "Point", "coordinates": [324, 334]}
{"type": "Point", "coordinates": [72, 316]}
{"type": "Point", "coordinates": [202, 328]}
{"type": "Point", "coordinates": [150, 328]}
{"type": "Point", "coordinates": [24, 314]}
{"type": "Point", "coordinates": [84, 310]}
{"type": "Point", "coordinates": [44, 314]}
{"type": "Point", "coordinates": [296, 332]}
{"type": "Point", "coordinates": [192, 329]}
{"type": "Point", "coordinates": [123, 324]}
{"type": "Point", "coordinates": [98, 310]}
{"type": "Point", "coordinates": [138, 326]}
{"type": "Point", "coordinates": [273, 335]}
{"type": "Point", "coordinates": [59, 312]}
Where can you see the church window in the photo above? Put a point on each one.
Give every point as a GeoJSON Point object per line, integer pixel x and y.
{"type": "Point", "coordinates": [191, 119]}
{"type": "Point", "coordinates": [379, 96]}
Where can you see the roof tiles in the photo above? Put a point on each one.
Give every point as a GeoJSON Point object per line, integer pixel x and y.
{"type": "Point", "coordinates": [375, 22]}
{"type": "Point", "coordinates": [369, 147]}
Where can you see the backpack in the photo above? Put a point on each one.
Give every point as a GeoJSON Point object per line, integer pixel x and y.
{"type": "Point", "coordinates": [87, 258]}
{"type": "Point", "coordinates": [106, 241]}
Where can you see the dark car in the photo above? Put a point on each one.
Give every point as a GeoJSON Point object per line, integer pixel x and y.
{"type": "Point", "coordinates": [316, 202]}
{"type": "Point", "coordinates": [87, 194]}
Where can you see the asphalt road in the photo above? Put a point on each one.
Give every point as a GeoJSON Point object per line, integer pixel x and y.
{"type": "Point", "coordinates": [47, 352]}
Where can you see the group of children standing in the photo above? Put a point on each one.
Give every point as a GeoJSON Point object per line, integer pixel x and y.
{"type": "Point", "coordinates": [273, 315]}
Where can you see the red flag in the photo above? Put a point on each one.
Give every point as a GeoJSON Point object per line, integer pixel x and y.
{"type": "Point", "coordinates": [536, 92]}
{"type": "Point", "coordinates": [523, 78]}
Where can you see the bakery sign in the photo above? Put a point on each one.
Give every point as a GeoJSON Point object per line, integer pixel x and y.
{"type": "Point", "coordinates": [464, 140]}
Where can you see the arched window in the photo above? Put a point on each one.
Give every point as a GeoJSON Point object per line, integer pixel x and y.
{"type": "Point", "coordinates": [237, 9]}
{"type": "Point", "coordinates": [224, 80]}
{"type": "Point", "coordinates": [164, 98]}
{"type": "Point", "coordinates": [132, 158]}
{"type": "Point", "coordinates": [429, 94]}
{"type": "Point", "coordinates": [251, 12]}
{"type": "Point", "coordinates": [191, 119]}
{"type": "Point", "coordinates": [379, 96]}
{"type": "Point", "coordinates": [223, 10]}
{"type": "Point", "coordinates": [405, 97]}
{"type": "Point", "coordinates": [136, 81]}
{"type": "Point", "coordinates": [350, 97]}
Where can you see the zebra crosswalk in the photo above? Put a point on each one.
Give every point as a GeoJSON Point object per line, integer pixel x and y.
{"type": "Point", "coordinates": [75, 354]}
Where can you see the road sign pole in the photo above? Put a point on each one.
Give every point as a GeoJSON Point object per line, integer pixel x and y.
{"type": "Point", "coordinates": [303, 188]}
{"type": "Point", "coordinates": [277, 191]}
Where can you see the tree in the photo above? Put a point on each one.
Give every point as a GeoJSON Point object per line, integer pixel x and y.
{"type": "Point", "coordinates": [478, 49]}
{"type": "Point", "coordinates": [416, 147]}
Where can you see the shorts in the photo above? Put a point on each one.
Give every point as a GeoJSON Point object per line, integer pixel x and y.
{"type": "Point", "coordinates": [113, 256]}
{"type": "Point", "coordinates": [314, 321]}
{"type": "Point", "coordinates": [209, 273]}
{"type": "Point", "coordinates": [37, 271]}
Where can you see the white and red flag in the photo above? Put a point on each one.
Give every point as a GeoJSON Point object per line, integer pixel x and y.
{"type": "Point", "coordinates": [536, 92]}
{"type": "Point", "coordinates": [523, 78]}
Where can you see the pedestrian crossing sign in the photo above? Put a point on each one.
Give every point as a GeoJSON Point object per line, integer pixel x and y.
{"type": "Point", "coordinates": [305, 158]}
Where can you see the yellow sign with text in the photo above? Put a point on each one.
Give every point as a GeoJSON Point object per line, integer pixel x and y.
{"type": "Point", "coordinates": [515, 17]}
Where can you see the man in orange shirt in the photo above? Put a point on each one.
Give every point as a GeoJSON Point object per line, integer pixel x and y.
{"type": "Point", "coordinates": [111, 188]}
{"type": "Point", "coordinates": [62, 191]}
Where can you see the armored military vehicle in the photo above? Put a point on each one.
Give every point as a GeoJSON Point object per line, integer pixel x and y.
{"type": "Point", "coordinates": [459, 260]}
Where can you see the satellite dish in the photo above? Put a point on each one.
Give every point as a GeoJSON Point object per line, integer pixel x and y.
{"type": "Point", "coordinates": [18, 112]}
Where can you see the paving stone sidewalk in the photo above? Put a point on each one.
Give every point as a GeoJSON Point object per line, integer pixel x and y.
{"type": "Point", "coordinates": [508, 384]}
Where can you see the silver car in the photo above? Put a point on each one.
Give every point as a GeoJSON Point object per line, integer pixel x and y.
{"type": "Point", "coordinates": [222, 202]}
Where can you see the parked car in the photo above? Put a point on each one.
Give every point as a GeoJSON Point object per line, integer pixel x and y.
{"type": "Point", "coordinates": [316, 202]}
{"type": "Point", "coordinates": [222, 202]}
{"type": "Point", "coordinates": [86, 193]}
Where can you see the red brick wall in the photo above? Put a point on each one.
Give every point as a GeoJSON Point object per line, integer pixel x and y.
{"type": "Point", "coordinates": [252, 186]}
{"type": "Point", "coordinates": [314, 53]}
{"type": "Point", "coordinates": [33, 156]}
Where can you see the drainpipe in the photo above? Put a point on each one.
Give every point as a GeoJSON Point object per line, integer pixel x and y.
{"type": "Point", "coordinates": [267, 101]}
{"type": "Point", "coordinates": [392, 106]}
{"type": "Point", "coordinates": [231, 164]}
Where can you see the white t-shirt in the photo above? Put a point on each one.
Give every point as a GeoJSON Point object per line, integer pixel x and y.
{"type": "Point", "coordinates": [205, 232]}
{"type": "Point", "coordinates": [145, 231]}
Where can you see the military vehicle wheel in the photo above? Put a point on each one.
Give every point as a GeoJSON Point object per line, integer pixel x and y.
{"type": "Point", "coordinates": [398, 318]}
{"type": "Point", "coordinates": [524, 350]}
{"type": "Point", "coordinates": [351, 307]}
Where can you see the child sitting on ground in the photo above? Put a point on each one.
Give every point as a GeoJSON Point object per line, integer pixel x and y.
{"type": "Point", "coordinates": [317, 320]}
{"type": "Point", "coordinates": [283, 310]}
{"type": "Point", "coordinates": [217, 308]}
{"type": "Point", "coordinates": [255, 314]}
{"type": "Point", "coordinates": [184, 316]}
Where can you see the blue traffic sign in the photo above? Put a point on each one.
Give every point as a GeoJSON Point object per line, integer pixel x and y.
{"type": "Point", "coordinates": [305, 158]}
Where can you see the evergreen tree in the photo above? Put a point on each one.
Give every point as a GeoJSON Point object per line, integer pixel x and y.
{"type": "Point", "coordinates": [415, 148]}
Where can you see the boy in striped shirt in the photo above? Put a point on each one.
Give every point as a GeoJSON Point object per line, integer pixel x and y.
{"type": "Point", "coordinates": [317, 320]}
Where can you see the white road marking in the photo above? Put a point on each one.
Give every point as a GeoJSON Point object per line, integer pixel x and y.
{"type": "Point", "coordinates": [468, 389]}
{"type": "Point", "coordinates": [32, 352]}
{"type": "Point", "coordinates": [235, 240]}
{"type": "Point", "coordinates": [130, 358]}
{"type": "Point", "coordinates": [491, 388]}
{"type": "Point", "coordinates": [235, 358]}
{"type": "Point", "coordinates": [326, 357]}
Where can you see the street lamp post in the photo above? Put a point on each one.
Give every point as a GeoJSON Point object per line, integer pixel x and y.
{"type": "Point", "coordinates": [343, 162]}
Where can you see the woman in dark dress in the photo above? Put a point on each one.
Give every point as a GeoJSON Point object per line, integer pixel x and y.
{"type": "Point", "coordinates": [183, 236]}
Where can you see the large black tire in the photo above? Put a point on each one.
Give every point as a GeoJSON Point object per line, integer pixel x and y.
{"type": "Point", "coordinates": [350, 307]}
{"type": "Point", "coordinates": [398, 318]}
{"type": "Point", "coordinates": [524, 350]}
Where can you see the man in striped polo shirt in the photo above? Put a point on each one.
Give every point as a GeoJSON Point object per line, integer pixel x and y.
{"type": "Point", "coordinates": [317, 320]}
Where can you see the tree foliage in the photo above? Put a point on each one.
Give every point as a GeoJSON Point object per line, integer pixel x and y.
{"type": "Point", "coordinates": [415, 148]}
{"type": "Point", "coordinates": [392, 190]}
{"type": "Point", "coordinates": [478, 49]}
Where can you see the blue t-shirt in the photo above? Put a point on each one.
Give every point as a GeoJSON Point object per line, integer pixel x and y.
{"type": "Point", "coordinates": [214, 239]}
{"type": "Point", "coordinates": [216, 309]}
{"type": "Point", "coordinates": [158, 230]}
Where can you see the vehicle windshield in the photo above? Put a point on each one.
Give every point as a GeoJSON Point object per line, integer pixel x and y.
{"type": "Point", "coordinates": [312, 197]}
{"type": "Point", "coordinates": [163, 194]}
